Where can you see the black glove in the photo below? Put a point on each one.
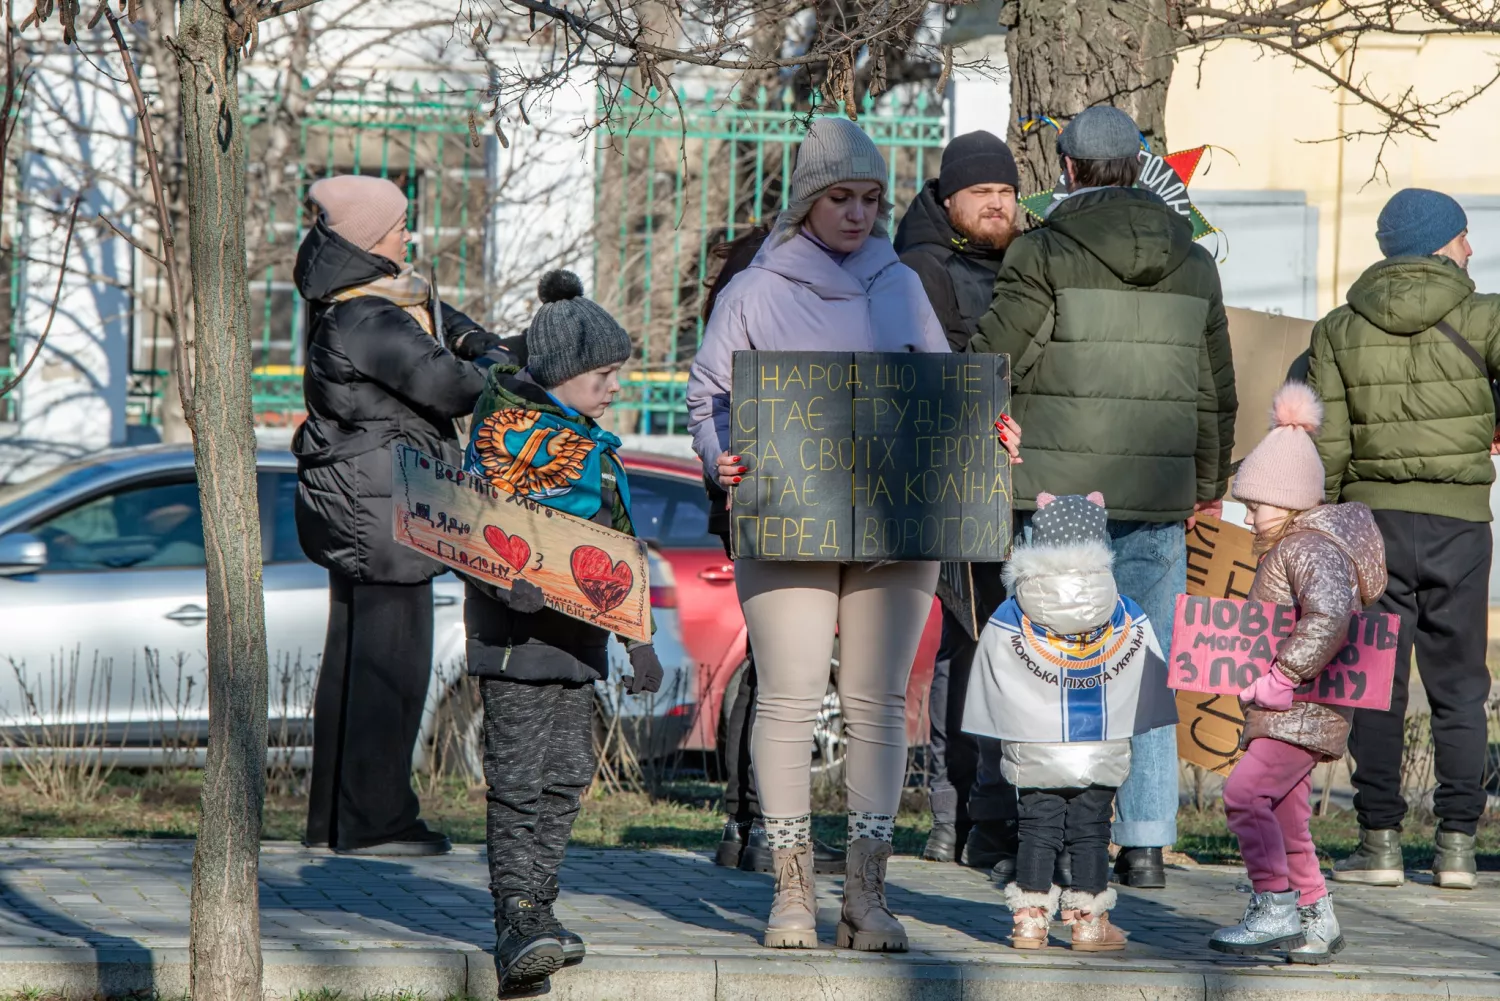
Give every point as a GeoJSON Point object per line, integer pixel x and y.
{"type": "Point", "coordinates": [474, 343]}
{"type": "Point", "coordinates": [647, 668]}
{"type": "Point", "coordinates": [526, 597]}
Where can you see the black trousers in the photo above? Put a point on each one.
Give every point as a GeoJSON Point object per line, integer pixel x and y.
{"type": "Point", "coordinates": [367, 711]}
{"type": "Point", "coordinates": [1072, 820]}
{"type": "Point", "coordinates": [1439, 584]}
{"type": "Point", "coordinates": [741, 803]}
{"type": "Point", "coordinates": [538, 760]}
{"type": "Point", "coordinates": [954, 755]}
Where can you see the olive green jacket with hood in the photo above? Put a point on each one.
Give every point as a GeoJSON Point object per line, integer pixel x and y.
{"type": "Point", "coordinates": [1122, 375]}
{"type": "Point", "coordinates": [1408, 416]}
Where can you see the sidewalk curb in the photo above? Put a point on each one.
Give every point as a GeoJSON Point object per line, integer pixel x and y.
{"type": "Point", "coordinates": [437, 974]}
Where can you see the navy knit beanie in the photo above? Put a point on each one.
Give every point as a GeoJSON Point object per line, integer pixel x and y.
{"type": "Point", "coordinates": [976, 158]}
{"type": "Point", "coordinates": [1417, 222]}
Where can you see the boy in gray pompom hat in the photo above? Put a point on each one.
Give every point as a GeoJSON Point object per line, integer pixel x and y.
{"type": "Point", "coordinates": [571, 334]}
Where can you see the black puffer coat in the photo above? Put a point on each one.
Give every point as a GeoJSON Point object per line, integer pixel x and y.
{"type": "Point", "coordinates": [958, 277]}
{"type": "Point", "coordinates": [373, 377]}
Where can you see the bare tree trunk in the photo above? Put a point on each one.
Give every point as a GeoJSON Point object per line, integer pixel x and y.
{"type": "Point", "coordinates": [1068, 55]}
{"type": "Point", "coordinates": [225, 942]}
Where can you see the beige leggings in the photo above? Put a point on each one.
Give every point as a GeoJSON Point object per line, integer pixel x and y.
{"type": "Point", "coordinates": [791, 610]}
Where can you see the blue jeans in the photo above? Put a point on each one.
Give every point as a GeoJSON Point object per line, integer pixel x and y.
{"type": "Point", "coordinates": [1151, 568]}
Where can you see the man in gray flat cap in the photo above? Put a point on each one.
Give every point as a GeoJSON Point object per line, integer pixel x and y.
{"type": "Point", "coordinates": [1114, 322]}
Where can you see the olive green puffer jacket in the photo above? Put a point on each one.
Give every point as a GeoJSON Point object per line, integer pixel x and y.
{"type": "Point", "coordinates": [1408, 417]}
{"type": "Point", "coordinates": [1121, 370]}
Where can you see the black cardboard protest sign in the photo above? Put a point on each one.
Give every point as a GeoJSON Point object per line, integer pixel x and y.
{"type": "Point", "coordinates": [860, 457]}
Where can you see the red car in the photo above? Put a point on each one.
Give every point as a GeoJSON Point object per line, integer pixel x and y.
{"type": "Point", "coordinates": [671, 510]}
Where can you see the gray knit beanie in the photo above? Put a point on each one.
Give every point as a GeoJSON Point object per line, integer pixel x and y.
{"type": "Point", "coordinates": [571, 335]}
{"type": "Point", "coordinates": [835, 150]}
{"type": "Point", "coordinates": [1069, 520]}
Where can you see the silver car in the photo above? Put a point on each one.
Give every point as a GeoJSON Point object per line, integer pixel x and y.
{"type": "Point", "coordinates": [103, 611]}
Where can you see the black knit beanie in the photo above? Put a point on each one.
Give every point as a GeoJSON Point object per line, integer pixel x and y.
{"type": "Point", "coordinates": [976, 158]}
{"type": "Point", "coordinates": [571, 335]}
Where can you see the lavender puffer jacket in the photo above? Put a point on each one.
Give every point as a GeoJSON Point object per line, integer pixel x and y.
{"type": "Point", "coordinates": [796, 297]}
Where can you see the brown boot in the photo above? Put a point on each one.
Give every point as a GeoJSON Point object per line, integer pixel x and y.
{"type": "Point", "coordinates": [1088, 913]}
{"type": "Point", "coordinates": [866, 923]}
{"type": "Point", "coordinates": [793, 923]}
{"type": "Point", "coordinates": [1031, 914]}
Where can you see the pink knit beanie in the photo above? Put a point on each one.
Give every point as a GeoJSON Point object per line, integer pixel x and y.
{"type": "Point", "coordinates": [1284, 469]}
{"type": "Point", "coordinates": [360, 208]}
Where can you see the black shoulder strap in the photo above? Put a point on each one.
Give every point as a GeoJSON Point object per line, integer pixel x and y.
{"type": "Point", "coordinates": [1470, 352]}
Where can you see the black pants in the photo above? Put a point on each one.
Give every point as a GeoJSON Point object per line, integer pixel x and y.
{"type": "Point", "coordinates": [954, 754]}
{"type": "Point", "coordinates": [740, 800]}
{"type": "Point", "coordinates": [1072, 820]}
{"type": "Point", "coordinates": [367, 711]}
{"type": "Point", "coordinates": [1439, 584]}
{"type": "Point", "coordinates": [538, 760]}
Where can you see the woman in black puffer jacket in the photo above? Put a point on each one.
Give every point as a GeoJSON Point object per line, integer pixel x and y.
{"type": "Point", "coordinates": [378, 372]}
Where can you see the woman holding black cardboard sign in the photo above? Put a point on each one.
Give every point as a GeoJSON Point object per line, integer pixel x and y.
{"type": "Point", "coordinates": [826, 279]}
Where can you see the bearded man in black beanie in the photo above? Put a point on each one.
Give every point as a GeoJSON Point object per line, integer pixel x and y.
{"type": "Point", "coordinates": [954, 236]}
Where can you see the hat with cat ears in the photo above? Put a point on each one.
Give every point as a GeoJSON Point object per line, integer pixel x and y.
{"type": "Point", "coordinates": [1070, 520]}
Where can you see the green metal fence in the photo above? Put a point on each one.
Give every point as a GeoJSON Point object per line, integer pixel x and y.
{"type": "Point", "coordinates": [678, 175]}
{"type": "Point", "coordinates": [673, 179]}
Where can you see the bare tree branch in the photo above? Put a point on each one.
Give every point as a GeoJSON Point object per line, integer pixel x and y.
{"type": "Point", "coordinates": [164, 221]}
{"type": "Point", "coordinates": [62, 271]}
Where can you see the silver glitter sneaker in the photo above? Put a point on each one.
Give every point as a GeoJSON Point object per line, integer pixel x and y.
{"type": "Point", "coordinates": [1270, 924]}
{"type": "Point", "coordinates": [1321, 929]}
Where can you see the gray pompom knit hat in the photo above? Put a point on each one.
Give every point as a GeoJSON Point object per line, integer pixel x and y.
{"type": "Point", "coordinates": [570, 334]}
{"type": "Point", "coordinates": [1070, 520]}
{"type": "Point", "coordinates": [834, 150]}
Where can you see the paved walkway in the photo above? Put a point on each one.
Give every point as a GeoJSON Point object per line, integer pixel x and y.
{"type": "Point", "coordinates": [82, 917]}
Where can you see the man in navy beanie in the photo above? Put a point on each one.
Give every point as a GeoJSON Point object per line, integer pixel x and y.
{"type": "Point", "coordinates": [1404, 369]}
{"type": "Point", "coordinates": [954, 236]}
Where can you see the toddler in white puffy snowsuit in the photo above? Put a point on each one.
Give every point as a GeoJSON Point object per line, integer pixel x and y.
{"type": "Point", "coordinates": [1067, 671]}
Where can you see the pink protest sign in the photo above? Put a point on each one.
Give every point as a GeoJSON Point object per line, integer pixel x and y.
{"type": "Point", "coordinates": [1221, 645]}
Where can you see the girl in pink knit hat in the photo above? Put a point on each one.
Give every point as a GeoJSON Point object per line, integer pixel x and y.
{"type": "Point", "coordinates": [1329, 562]}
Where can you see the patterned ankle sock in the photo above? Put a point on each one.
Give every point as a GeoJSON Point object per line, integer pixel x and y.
{"type": "Point", "coordinates": [880, 826]}
{"type": "Point", "coordinates": [789, 832]}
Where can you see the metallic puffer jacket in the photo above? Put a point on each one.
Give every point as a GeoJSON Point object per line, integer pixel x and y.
{"type": "Point", "coordinates": [1330, 566]}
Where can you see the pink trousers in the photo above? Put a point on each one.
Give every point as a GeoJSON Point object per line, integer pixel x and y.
{"type": "Point", "coordinates": [1268, 800]}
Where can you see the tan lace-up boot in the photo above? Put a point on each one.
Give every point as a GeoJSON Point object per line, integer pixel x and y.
{"type": "Point", "coordinates": [866, 923]}
{"type": "Point", "coordinates": [793, 923]}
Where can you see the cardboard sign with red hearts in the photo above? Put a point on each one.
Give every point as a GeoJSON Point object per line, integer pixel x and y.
{"type": "Point", "coordinates": [586, 571]}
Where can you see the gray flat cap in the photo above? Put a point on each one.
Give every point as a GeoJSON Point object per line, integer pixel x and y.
{"type": "Point", "coordinates": [1100, 134]}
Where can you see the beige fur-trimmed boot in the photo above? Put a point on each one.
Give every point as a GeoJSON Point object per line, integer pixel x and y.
{"type": "Point", "coordinates": [793, 923]}
{"type": "Point", "coordinates": [1031, 915]}
{"type": "Point", "coordinates": [866, 923]}
{"type": "Point", "coordinates": [1088, 914]}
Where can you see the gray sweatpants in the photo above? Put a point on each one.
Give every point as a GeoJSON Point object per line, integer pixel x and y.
{"type": "Point", "coordinates": [538, 760]}
{"type": "Point", "coordinates": [791, 611]}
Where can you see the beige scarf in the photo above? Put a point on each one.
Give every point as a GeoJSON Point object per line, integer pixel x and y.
{"type": "Point", "coordinates": [408, 290]}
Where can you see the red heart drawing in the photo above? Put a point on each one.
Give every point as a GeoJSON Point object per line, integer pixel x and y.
{"type": "Point", "coordinates": [512, 548]}
{"type": "Point", "coordinates": [603, 584]}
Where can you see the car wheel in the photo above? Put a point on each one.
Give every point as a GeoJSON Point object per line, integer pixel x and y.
{"type": "Point", "coordinates": [458, 733]}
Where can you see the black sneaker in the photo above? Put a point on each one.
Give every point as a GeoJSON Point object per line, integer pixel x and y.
{"type": "Point", "coordinates": [989, 843]}
{"type": "Point", "coordinates": [1142, 868]}
{"type": "Point", "coordinates": [572, 945]}
{"type": "Point", "coordinates": [942, 843]}
{"type": "Point", "coordinates": [731, 844]}
{"type": "Point", "coordinates": [756, 856]}
{"type": "Point", "coordinates": [419, 840]}
{"type": "Point", "coordinates": [527, 950]}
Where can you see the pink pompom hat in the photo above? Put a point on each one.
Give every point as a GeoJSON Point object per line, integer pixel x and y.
{"type": "Point", "coordinates": [1284, 470]}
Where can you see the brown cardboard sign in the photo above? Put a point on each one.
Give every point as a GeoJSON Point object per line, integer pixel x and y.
{"type": "Point", "coordinates": [587, 571]}
{"type": "Point", "coordinates": [1221, 564]}
{"type": "Point", "coordinates": [1265, 345]}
